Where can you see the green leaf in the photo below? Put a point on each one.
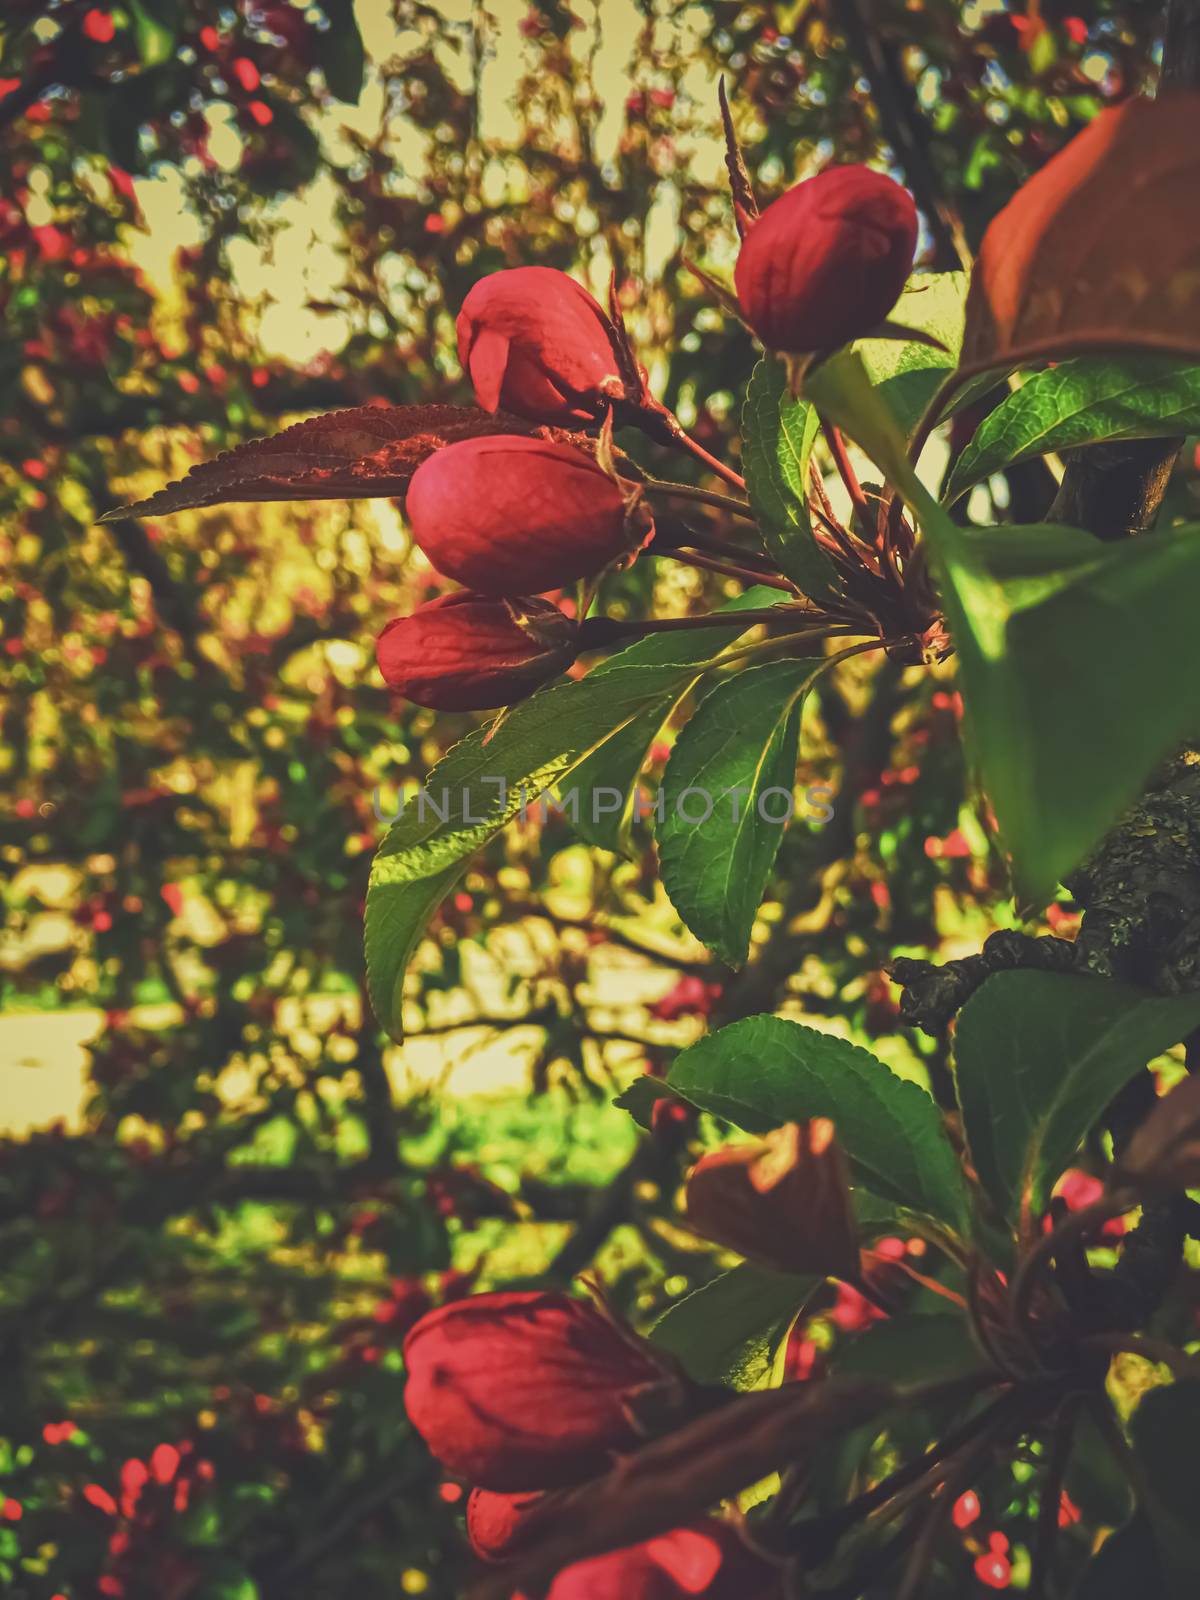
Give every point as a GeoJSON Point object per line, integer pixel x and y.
{"type": "Point", "coordinates": [1095, 1479]}
{"type": "Point", "coordinates": [933, 303]}
{"type": "Point", "coordinates": [728, 1331]}
{"type": "Point", "coordinates": [917, 1348]}
{"type": "Point", "coordinates": [764, 1071]}
{"type": "Point", "coordinates": [611, 774]}
{"type": "Point", "coordinates": [1070, 679]}
{"type": "Point", "coordinates": [155, 27]}
{"type": "Point", "coordinates": [907, 372]}
{"type": "Point", "coordinates": [908, 394]}
{"type": "Point", "coordinates": [606, 782]}
{"type": "Point", "coordinates": [1039, 1055]}
{"type": "Point", "coordinates": [230, 1581]}
{"type": "Point", "coordinates": [877, 1218]}
{"type": "Point", "coordinates": [1126, 1564]}
{"type": "Point", "coordinates": [1164, 1430]}
{"type": "Point", "coordinates": [739, 747]}
{"type": "Point", "coordinates": [641, 1097]}
{"type": "Point", "coordinates": [842, 392]}
{"type": "Point", "coordinates": [482, 784]}
{"type": "Point", "coordinates": [777, 439]}
{"type": "Point", "coordinates": [343, 59]}
{"type": "Point", "coordinates": [1082, 402]}
{"type": "Point", "coordinates": [1061, 740]}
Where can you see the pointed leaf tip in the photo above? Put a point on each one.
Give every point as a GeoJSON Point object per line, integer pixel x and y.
{"type": "Point", "coordinates": [369, 452]}
{"type": "Point", "coordinates": [745, 206]}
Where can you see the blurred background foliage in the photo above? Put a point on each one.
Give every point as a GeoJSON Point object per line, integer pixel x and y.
{"type": "Point", "coordinates": [215, 219]}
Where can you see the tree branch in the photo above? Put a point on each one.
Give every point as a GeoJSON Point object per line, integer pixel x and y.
{"type": "Point", "coordinates": [1181, 46]}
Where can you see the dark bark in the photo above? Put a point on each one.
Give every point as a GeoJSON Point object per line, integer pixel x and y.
{"type": "Point", "coordinates": [1115, 490]}
{"type": "Point", "coordinates": [1181, 46]}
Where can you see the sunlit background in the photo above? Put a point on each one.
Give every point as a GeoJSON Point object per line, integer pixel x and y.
{"type": "Point", "coordinates": [223, 1195]}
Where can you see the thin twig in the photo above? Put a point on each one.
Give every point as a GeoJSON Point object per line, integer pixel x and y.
{"type": "Point", "coordinates": [685, 442]}
{"type": "Point", "coordinates": [1076, 1226]}
{"type": "Point", "coordinates": [708, 497]}
{"type": "Point", "coordinates": [818, 1537]}
{"type": "Point", "coordinates": [693, 558]}
{"type": "Point", "coordinates": [1101, 1413]}
{"type": "Point", "coordinates": [1046, 1531]}
{"type": "Point", "coordinates": [593, 636]}
{"type": "Point", "coordinates": [921, 1559]}
{"type": "Point", "coordinates": [841, 460]}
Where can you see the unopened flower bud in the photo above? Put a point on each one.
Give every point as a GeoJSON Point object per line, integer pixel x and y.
{"type": "Point", "coordinates": [468, 652]}
{"type": "Point", "coordinates": [704, 1562]}
{"type": "Point", "coordinates": [523, 1390]}
{"type": "Point", "coordinates": [498, 1525]}
{"type": "Point", "coordinates": [535, 343]}
{"type": "Point", "coordinates": [782, 1201]}
{"type": "Point", "coordinates": [827, 261]}
{"type": "Point", "coordinates": [511, 515]}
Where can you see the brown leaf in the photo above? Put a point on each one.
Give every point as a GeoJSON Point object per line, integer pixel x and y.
{"type": "Point", "coordinates": [669, 1482]}
{"type": "Point", "coordinates": [365, 453]}
{"type": "Point", "coordinates": [1164, 1151]}
{"type": "Point", "coordinates": [1101, 248]}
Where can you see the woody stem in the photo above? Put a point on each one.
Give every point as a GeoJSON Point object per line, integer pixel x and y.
{"type": "Point", "coordinates": [1075, 1226]}
{"type": "Point", "coordinates": [816, 1539]}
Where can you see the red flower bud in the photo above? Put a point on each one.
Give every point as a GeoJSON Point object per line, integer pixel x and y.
{"type": "Point", "coordinates": [524, 1390]}
{"type": "Point", "coordinates": [466, 652]}
{"type": "Point", "coordinates": [509, 515]}
{"type": "Point", "coordinates": [826, 262]}
{"type": "Point", "coordinates": [535, 343]}
{"type": "Point", "coordinates": [497, 1524]}
{"type": "Point", "coordinates": [707, 1560]}
{"type": "Point", "coordinates": [782, 1201]}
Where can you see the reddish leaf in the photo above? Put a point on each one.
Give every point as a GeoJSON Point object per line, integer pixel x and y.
{"type": "Point", "coordinates": [366, 453]}
{"type": "Point", "coordinates": [1101, 248]}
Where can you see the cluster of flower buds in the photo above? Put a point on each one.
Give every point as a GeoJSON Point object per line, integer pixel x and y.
{"type": "Point", "coordinates": [512, 516]}
{"type": "Point", "coordinates": [527, 1394]}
